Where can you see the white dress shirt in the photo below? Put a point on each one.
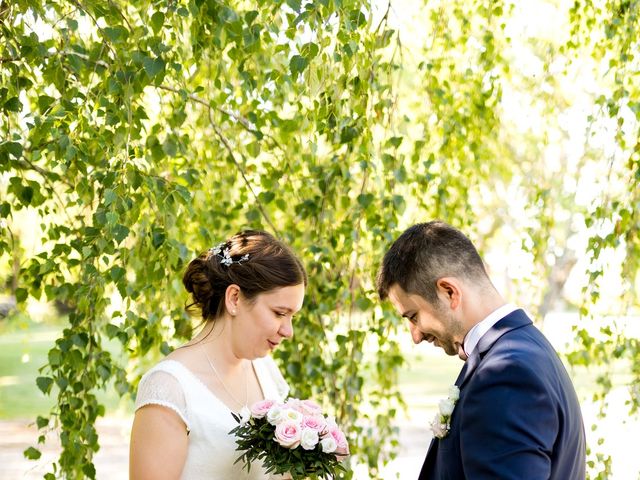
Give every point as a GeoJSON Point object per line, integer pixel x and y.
{"type": "Point", "coordinates": [479, 329]}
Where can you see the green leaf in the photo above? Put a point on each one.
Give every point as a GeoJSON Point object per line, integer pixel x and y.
{"type": "Point", "coordinates": [41, 422]}
{"type": "Point", "coordinates": [120, 232]}
{"type": "Point", "coordinates": [348, 134]}
{"type": "Point", "coordinates": [295, 5]}
{"type": "Point", "coordinates": [153, 66]}
{"type": "Point", "coordinates": [170, 147]}
{"type": "Point", "coordinates": [250, 16]}
{"type": "Point", "coordinates": [14, 148]}
{"type": "Point", "coordinates": [253, 215]}
{"type": "Point", "coordinates": [364, 304]}
{"type": "Point", "coordinates": [26, 195]}
{"type": "Point", "coordinates": [395, 141]}
{"type": "Point", "coordinates": [54, 357]}
{"type": "Point", "coordinates": [80, 340]}
{"type": "Point", "coordinates": [297, 64]}
{"type": "Point", "coordinates": [44, 384]}
{"type": "Point", "coordinates": [266, 197]}
{"type": "Point", "coordinates": [116, 34]}
{"type": "Point", "coordinates": [116, 273]}
{"type": "Point", "coordinates": [111, 330]}
{"type": "Point", "coordinates": [12, 105]}
{"type": "Point", "coordinates": [103, 372]}
{"type": "Point", "coordinates": [157, 20]}
{"type": "Point", "coordinates": [109, 197]}
{"type": "Point", "coordinates": [21, 295]}
{"type": "Point", "coordinates": [32, 453]}
{"type": "Point", "coordinates": [309, 50]}
{"type": "Point", "coordinates": [89, 470]}
{"type": "Point", "coordinates": [365, 199]}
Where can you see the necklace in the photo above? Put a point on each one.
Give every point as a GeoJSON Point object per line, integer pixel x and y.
{"type": "Point", "coordinates": [244, 411]}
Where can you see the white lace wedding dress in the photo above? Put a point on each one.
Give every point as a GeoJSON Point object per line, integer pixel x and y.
{"type": "Point", "coordinates": [212, 451]}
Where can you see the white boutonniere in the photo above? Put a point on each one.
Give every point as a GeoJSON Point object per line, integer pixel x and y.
{"type": "Point", "coordinates": [441, 423]}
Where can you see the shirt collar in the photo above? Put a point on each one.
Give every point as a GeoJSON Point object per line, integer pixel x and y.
{"type": "Point", "coordinates": [479, 329]}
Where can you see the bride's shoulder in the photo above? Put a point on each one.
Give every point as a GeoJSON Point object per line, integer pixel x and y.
{"type": "Point", "coordinates": [187, 358]}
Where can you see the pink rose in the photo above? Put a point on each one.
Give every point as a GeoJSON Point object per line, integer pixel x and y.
{"type": "Point", "coordinates": [309, 407]}
{"type": "Point", "coordinates": [342, 447]}
{"type": "Point", "coordinates": [260, 409]}
{"type": "Point", "coordinates": [294, 404]}
{"type": "Point", "coordinates": [314, 422]}
{"type": "Point", "coordinates": [288, 434]}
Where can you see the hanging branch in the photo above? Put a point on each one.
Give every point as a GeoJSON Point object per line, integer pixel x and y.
{"type": "Point", "coordinates": [228, 147]}
{"type": "Point", "coordinates": [226, 144]}
{"type": "Point", "coordinates": [238, 118]}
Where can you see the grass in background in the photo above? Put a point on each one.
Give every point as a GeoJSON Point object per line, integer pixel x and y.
{"type": "Point", "coordinates": [24, 349]}
{"type": "Point", "coordinates": [21, 355]}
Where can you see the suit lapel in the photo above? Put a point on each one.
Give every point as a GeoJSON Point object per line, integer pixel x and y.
{"type": "Point", "coordinates": [462, 374]}
{"type": "Point", "coordinates": [515, 319]}
{"type": "Point", "coordinates": [426, 472]}
{"type": "Point", "coordinates": [430, 459]}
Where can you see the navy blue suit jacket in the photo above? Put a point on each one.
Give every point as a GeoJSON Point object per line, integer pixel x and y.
{"type": "Point", "coordinates": [518, 415]}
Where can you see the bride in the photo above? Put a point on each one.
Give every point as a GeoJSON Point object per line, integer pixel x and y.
{"type": "Point", "coordinates": [247, 290]}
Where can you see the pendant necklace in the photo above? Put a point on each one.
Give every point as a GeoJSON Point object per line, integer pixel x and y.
{"type": "Point", "coordinates": [245, 413]}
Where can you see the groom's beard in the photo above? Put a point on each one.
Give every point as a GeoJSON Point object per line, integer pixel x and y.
{"type": "Point", "coordinates": [453, 336]}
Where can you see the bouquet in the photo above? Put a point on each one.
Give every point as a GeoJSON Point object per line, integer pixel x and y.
{"type": "Point", "coordinates": [291, 437]}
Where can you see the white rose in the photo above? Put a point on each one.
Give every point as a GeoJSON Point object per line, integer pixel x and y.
{"type": "Point", "coordinates": [292, 415]}
{"type": "Point", "coordinates": [439, 430]}
{"type": "Point", "coordinates": [274, 416]}
{"type": "Point", "coordinates": [309, 438]}
{"type": "Point", "coordinates": [454, 393]}
{"type": "Point", "coordinates": [328, 445]}
{"type": "Point", "coordinates": [331, 421]}
{"type": "Point", "coordinates": [446, 407]}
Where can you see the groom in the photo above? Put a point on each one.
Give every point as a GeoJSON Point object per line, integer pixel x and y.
{"type": "Point", "coordinates": [517, 416]}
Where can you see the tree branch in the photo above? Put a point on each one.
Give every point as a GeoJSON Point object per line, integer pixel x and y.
{"type": "Point", "coordinates": [95, 22]}
{"type": "Point", "coordinates": [240, 119]}
{"type": "Point", "coordinates": [244, 122]}
{"type": "Point", "coordinates": [121, 14]}
{"type": "Point", "coordinates": [384, 18]}
{"type": "Point", "coordinates": [352, 276]}
{"type": "Point", "coordinates": [226, 144]}
{"type": "Point", "coordinates": [45, 175]}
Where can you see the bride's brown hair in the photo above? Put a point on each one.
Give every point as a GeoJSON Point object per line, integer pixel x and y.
{"type": "Point", "coordinates": [256, 261]}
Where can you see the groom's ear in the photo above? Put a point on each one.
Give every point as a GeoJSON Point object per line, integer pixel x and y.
{"type": "Point", "coordinates": [449, 291]}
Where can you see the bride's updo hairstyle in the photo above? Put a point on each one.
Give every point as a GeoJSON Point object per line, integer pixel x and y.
{"type": "Point", "coordinates": [254, 260]}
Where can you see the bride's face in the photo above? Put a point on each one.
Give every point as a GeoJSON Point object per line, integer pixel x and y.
{"type": "Point", "coordinates": [261, 324]}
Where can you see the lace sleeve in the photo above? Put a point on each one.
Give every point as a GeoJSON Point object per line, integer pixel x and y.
{"type": "Point", "coordinates": [162, 388]}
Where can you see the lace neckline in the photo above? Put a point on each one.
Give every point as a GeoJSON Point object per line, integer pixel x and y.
{"type": "Point", "coordinates": [198, 381]}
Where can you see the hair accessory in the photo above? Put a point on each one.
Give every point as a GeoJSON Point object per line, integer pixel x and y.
{"type": "Point", "coordinates": [223, 252]}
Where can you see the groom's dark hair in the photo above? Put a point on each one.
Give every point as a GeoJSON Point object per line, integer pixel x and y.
{"type": "Point", "coordinates": [425, 253]}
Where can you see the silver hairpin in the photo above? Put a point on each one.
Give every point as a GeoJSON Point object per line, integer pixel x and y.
{"type": "Point", "coordinates": [224, 254]}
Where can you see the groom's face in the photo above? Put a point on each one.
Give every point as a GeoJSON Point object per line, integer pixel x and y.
{"type": "Point", "coordinates": [434, 324]}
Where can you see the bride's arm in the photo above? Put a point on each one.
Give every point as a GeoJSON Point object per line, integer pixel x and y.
{"type": "Point", "coordinates": [158, 444]}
